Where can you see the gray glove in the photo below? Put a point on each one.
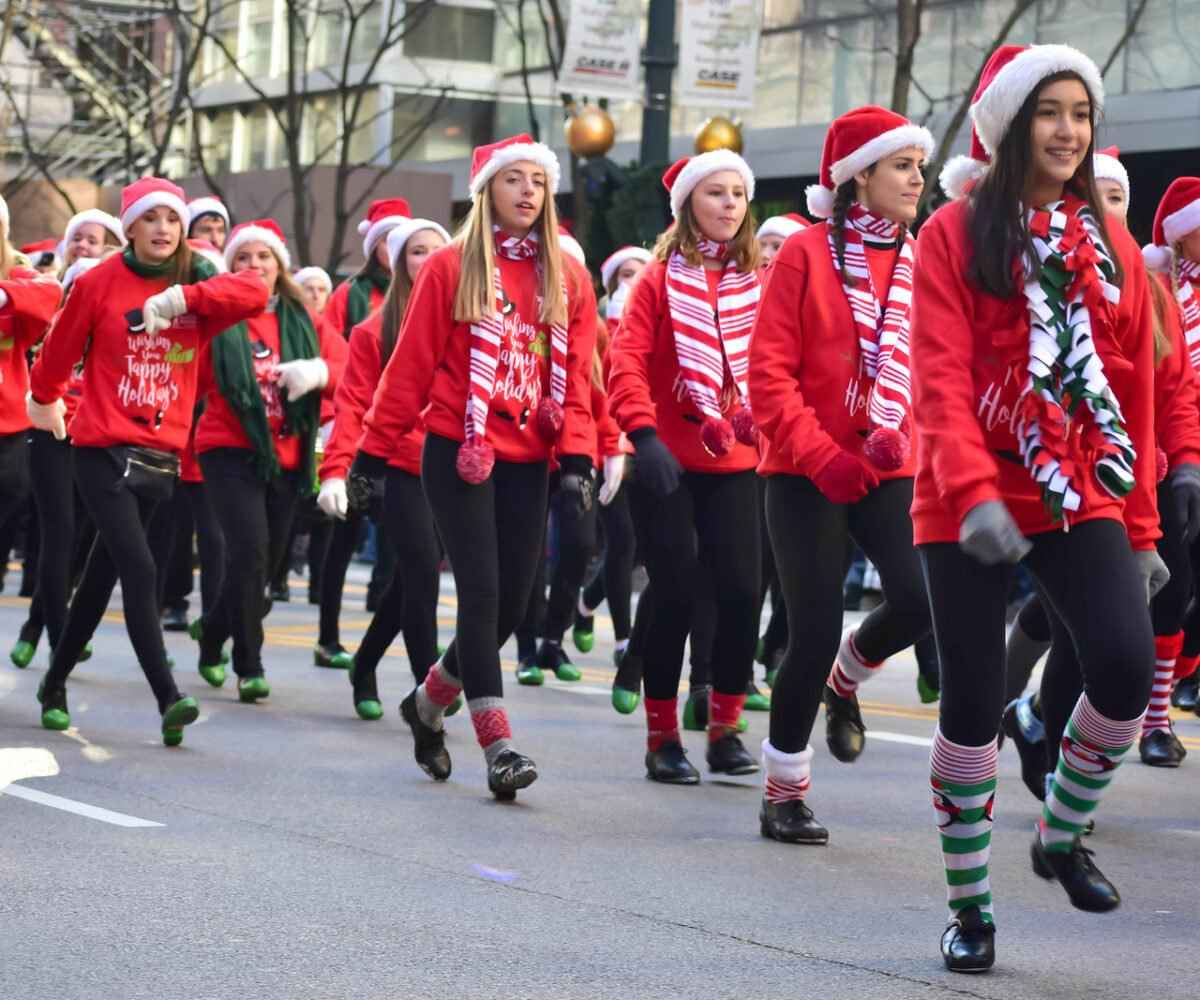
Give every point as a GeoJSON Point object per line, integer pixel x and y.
{"type": "Point", "coordinates": [1153, 571]}
{"type": "Point", "coordinates": [1184, 481]}
{"type": "Point", "coordinates": [990, 534]}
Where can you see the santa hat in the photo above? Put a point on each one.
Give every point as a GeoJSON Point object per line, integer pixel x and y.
{"type": "Point", "coordinates": [782, 226]}
{"type": "Point", "coordinates": [855, 141]}
{"type": "Point", "coordinates": [961, 173]}
{"type": "Point", "coordinates": [568, 244]}
{"type": "Point", "coordinates": [1108, 167]}
{"type": "Point", "coordinates": [1178, 214]}
{"type": "Point", "coordinates": [487, 161]}
{"type": "Point", "coordinates": [259, 231]}
{"type": "Point", "coordinates": [683, 175]}
{"type": "Point", "coordinates": [612, 263]}
{"type": "Point", "coordinates": [82, 265]}
{"type": "Point", "coordinates": [1013, 73]}
{"type": "Point", "coordinates": [209, 252]}
{"type": "Point", "coordinates": [95, 217]}
{"type": "Point", "coordinates": [382, 217]}
{"type": "Point", "coordinates": [314, 273]}
{"type": "Point", "coordinates": [207, 205]}
{"type": "Point", "coordinates": [399, 236]}
{"type": "Point", "coordinates": [34, 251]}
{"type": "Point", "coordinates": [141, 196]}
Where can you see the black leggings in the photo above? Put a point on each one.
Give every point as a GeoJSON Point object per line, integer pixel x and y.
{"type": "Point", "coordinates": [549, 617]}
{"type": "Point", "coordinates": [614, 582]}
{"type": "Point", "coordinates": [707, 529]}
{"type": "Point", "coordinates": [210, 544]}
{"type": "Point", "coordinates": [14, 478]}
{"type": "Point", "coordinates": [809, 535]}
{"type": "Point", "coordinates": [775, 638]}
{"type": "Point", "coordinates": [1090, 581]}
{"type": "Point", "coordinates": [492, 534]}
{"type": "Point", "coordinates": [343, 540]}
{"type": "Point", "coordinates": [121, 551]}
{"type": "Point", "coordinates": [256, 521]}
{"type": "Point", "coordinates": [410, 602]}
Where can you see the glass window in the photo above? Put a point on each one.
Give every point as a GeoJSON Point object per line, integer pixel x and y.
{"type": "Point", "coordinates": [368, 31]}
{"type": "Point", "coordinates": [777, 90]}
{"type": "Point", "coordinates": [256, 55]}
{"type": "Point", "coordinates": [364, 144]}
{"type": "Point", "coordinates": [458, 127]}
{"type": "Point", "coordinates": [512, 117]}
{"type": "Point", "coordinates": [445, 32]}
{"type": "Point", "coordinates": [508, 37]}
{"type": "Point", "coordinates": [218, 142]}
{"type": "Point", "coordinates": [322, 130]}
{"type": "Point", "coordinates": [256, 134]}
{"type": "Point", "coordinates": [1164, 54]}
{"type": "Point", "coordinates": [328, 29]}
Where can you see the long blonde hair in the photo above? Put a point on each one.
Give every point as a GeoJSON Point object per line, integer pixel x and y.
{"type": "Point", "coordinates": [475, 297]}
{"type": "Point", "coordinates": [684, 235]}
{"type": "Point", "coordinates": [7, 254]}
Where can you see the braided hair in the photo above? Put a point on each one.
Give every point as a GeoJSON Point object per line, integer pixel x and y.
{"type": "Point", "coordinates": [845, 196]}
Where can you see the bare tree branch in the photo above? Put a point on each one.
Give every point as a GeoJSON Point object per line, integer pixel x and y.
{"type": "Point", "coordinates": [31, 147]}
{"type": "Point", "coordinates": [908, 34]}
{"type": "Point", "coordinates": [1131, 27]}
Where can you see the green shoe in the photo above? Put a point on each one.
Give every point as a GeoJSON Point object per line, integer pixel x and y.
{"type": "Point", "coordinates": [756, 701]}
{"type": "Point", "coordinates": [182, 713]}
{"type": "Point", "coordinates": [567, 671]}
{"type": "Point", "coordinates": [552, 658]}
{"type": "Point", "coordinates": [743, 724]}
{"type": "Point", "coordinates": [85, 654]}
{"type": "Point", "coordinates": [22, 653]}
{"type": "Point", "coordinates": [695, 710]}
{"type": "Point", "coordinates": [196, 629]}
{"type": "Point", "coordinates": [334, 657]}
{"type": "Point", "coordinates": [454, 706]}
{"type": "Point", "coordinates": [584, 632]}
{"type": "Point", "coordinates": [366, 696]}
{"type": "Point", "coordinates": [624, 700]}
{"type": "Point", "coordinates": [214, 673]}
{"type": "Point", "coordinates": [54, 708]}
{"type": "Point", "coordinates": [530, 674]}
{"type": "Point", "coordinates": [926, 691]}
{"type": "Point", "coordinates": [251, 689]}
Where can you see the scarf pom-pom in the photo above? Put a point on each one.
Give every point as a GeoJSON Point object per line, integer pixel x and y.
{"type": "Point", "coordinates": [717, 436]}
{"type": "Point", "coordinates": [743, 427]}
{"type": "Point", "coordinates": [887, 448]}
{"type": "Point", "coordinates": [475, 460]}
{"type": "Point", "coordinates": [1162, 466]}
{"type": "Point", "coordinates": [550, 418]}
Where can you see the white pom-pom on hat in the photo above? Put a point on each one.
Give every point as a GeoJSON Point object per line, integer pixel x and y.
{"type": "Point", "coordinates": [819, 200]}
{"type": "Point", "coordinates": [1157, 258]}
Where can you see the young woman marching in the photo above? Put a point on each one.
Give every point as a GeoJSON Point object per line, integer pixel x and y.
{"type": "Point", "coordinates": [829, 380]}
{"type": "Point", "coordinates": [357, 455]}
{"type": "Point", "coordinates": [354, 300]}
{"type": "Point", "coordinates": [475, 340]}
{"type": "Point", "coordinates": [255, 440]}
{"type": "Point", "coordinates": [137, 320]}
{"type": "Point", "coordinates": [678, 390]}
{"type": "Point", "coordinates": [92, 234]}
{"type": "Point", "coordinates": [773, 233]}
{"type": "Point", "coordinates": [1033, 363]}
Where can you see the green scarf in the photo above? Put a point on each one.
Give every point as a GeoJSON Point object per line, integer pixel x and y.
{"type": "Point", "coordinates": [201, 268]}
{"type": "Point", "coordinates": [358, 301]}
{"type": "Point", "coordinates": [233, 369]}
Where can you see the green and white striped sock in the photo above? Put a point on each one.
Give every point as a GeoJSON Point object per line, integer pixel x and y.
{"type": "Point", "coordinates": [963, 782]}
{"type": "Point", "coordinates": [1091, 752]}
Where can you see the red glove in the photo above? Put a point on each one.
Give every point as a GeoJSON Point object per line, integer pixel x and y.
{"type": "Point", "coordinates": [845, 479]}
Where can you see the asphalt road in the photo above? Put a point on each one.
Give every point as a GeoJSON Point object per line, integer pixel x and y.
{"type": "Point", "coordinates": [291, 851]}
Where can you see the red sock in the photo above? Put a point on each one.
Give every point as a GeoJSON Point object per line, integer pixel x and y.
{"type": "Point", "coordinates": [662, 722]}
{"type": "Point", "coordinates": [724, 710]}
{"type": "Point", "coordinates": [1166, 650]}
{"type": "Point", "coordinates": [1185, 666]}
{"type": "Point", "coordinates": [490, 720]}
{"type": "Point", "coordinates": [441, 686]}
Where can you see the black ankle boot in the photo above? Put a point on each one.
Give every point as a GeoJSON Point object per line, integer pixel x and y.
{"type": "Point", "coordinates": [1075, 871]}
{"type": "Point", "coordinates": [1031, 752]}
{"type": "Point", "coordinates": [969, 942]}
{"type": "Point", "coordinates": [509, 773]}
{"type": "Point", "coordinates": [791, 822]}
{"type": "Point", "coordinates": [844, 730]}
{"type": "Point", "coordinates": [669, 764]}
{"type": "Point", "coordinates": [1187, 693]}
{"type": "Point", "coordinates": [728, 755]}
{"type": "Point", "coordinates": [429, 745]}
{"type": "Point", "coordinates": [1161, 748]}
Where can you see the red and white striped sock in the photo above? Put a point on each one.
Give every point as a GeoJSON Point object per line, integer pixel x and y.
{"type": "Point", "coordinates": [1166, 652]}
{"type": "Point", "coordinates": [786, 776]}
{"type": "Point", "coordinates": [662, 722]}
{"type": "Point", "coordinates": [435, 694]}
{"type": "Point", "coordinates": [851, 668]}
{"type": "Point", "coordinates": [490, 720]}
{"type": "Point", "coordinates": [724, 710]}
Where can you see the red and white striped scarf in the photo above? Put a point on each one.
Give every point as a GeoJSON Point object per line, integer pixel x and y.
{"type": "Point", "coordinates": [883, 333]}
{"type": "Point", "coordinates": [488, 334]}
{"type": "Point", "coordinates": [1187, 277]}
{"type": "Point", "coordinates": [706, 342]}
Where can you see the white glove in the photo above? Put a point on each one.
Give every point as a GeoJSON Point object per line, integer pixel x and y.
{"type": "Point", "coordinates": [3, 298]}
{"type": "Point", "coordinates": [47, 416]}
{"type": "Point", "coordinates": [332, 498]}
{"type": "Point", "coordinates": [614, 472]}
{"type": "Point", "coordinates": [159, 310]}
{"type": "Point", "coordinates": [298, 378]}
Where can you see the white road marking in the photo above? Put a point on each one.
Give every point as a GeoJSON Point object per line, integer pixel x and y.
{"type": "Point", "coordinates": [8, 684]}
{"type": "Point", "coordinates": [19, 763]}
{"type": "Point", "coordinates": [915, 741]}
{"type": "Point", "coordinates": [78, 808]}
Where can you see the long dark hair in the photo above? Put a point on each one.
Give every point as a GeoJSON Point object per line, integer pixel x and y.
{"type": "Point", "coordinates": [845, 196]}
{"type": "Point", "coordinates": [394, 306]}
{"type": "Point", "coordinates": [997, 224]}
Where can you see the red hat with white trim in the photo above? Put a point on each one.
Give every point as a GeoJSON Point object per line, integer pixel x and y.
{"type": "Point", "coordinates": [855, 141]}
{"type": "Point", "coordinates": [487, 161]}
{"type": "Point", "coordinates": [95, 217]}
{"type": "Point", "coordinates": [209, 252]}
{"type": "Point", "coordinates": [81, 266]}
{"type": "Point", "coordinates": [259, 231]}
{"type": "Point", "coordinates": [1178, 215]}
{"type": "Point", "coordinates": [314, 273]}
{"type": "Point", "coordinates": [208, 205]}
{"type": "Point", "coordinates": [1109, 167]}
{"type": "Point", "coordinates": [568, 244]}
{"type": "Point", "coordinates": [683, 175]}
{"type": "Point", "coordinates": [612, 263]}
{"type": "Point", "coordinates": [961, 173]}
{"type": "Point", "coordinates": [782, 226]}
{"type": "Point", "coordinates": [40, 248]}
{"type": "Point", "coordinates": [142, 195]}
{"type": "Point", "coordinates": [399, 236]}
{"type": "Point", "coordinates": [382, 217]}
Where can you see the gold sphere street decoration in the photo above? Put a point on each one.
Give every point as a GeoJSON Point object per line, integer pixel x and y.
{"type": "Point", "coordinates": [719, 133]}
{"type": "Point", "coordinates": [590, 132]}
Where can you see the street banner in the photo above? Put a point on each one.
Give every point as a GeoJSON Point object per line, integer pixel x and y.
{"type": "Point", "coordinates": [602, 55]}
{"type": "Point", "coordinates": [718, 53]}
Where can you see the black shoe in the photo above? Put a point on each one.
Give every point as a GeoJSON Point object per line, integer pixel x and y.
{"type": "Point", "coordinates": [844, 729]}
{"type": "Point", "coordinates": [791, 822]}
{"type": "Point", "coordinates": [282, 594]}
{"type": "Point", "coordinates": [1187, 693]}
{"type": "Point", "coordinates": [728, 755]}
{"type": "Point", "coordinates": [429, 745]}
{"type": "Point", "coordinates": [669, 764]}
{"type": "Point", "coordinates": [314, 596]}
{"type": "Point", "coordinates": [1075, 871]}
{"type": "Point", "coordinates": [969, 942]}
{"type": "Point", "coordinates": [1033, 755]}
{"type": "Point", "coordinates": [175, 620]}
{"type": "Point", "coordinates": [372, 601]}
{"type": "Point", "coordinates": [1161, 748]}
{"type": "Point", "coordinates": [509, 773]}
{"type": "Point", "coordinates": [28, 585]}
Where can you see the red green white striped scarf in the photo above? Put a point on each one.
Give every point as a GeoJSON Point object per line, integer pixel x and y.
{"type": "Point", "coordinates": [1187, 277]}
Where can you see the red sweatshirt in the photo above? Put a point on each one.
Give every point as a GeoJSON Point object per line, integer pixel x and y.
{"type": "Point", "coordinates": [32, 301]}
{"type": "Point", "coordinates": [644, 386]}
{"type": "Point", "coordinates": [219, 426]}
{"type": "Point", "coordinates": [137, 389]}
{"type": "Point", "coordinates": [428, 373]}
{"type": "Point", "coordinates": [1176, 417]}
{"type": "Point", "coordinates": [808, 384]}
{"type": "Point", "coordinates": [969, 351]}
{"type": "Point", "coordinates": [335, 308]}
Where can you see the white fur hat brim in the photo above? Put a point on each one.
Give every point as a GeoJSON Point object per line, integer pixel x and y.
{"type": "Point", "coordinates": [882, 146]}
{"type": "Point", "coordinates": [1178, 224]}
{"type": "Point", "coordinates": [257, 234]}
{"type": "Point", "coordinates": [518, 152]}
{"type": "Point", "coordinates": [207, 206]}
{"type": "Point", "coordinates": [398, 238]}
{"type": "Point", "coordinates": [994, 112]}
{"type": "Point", "coordinates": [613, 262]}
{"type": "Point", "coordinates": [94, 217]}
{"type": "Point", "coordinates": [568, 244]}
{"type": "Point", "coordinates": [778, 225]}
{"type": "Point", "coordinates": [703, 165]}
{"type": "Point", "coordinates": [1109, 168]}
{"type": "Point", "coordinates": [958, 172]}
{"type": "Point", "coordinates": [378, 229]}
{"type": "Point", "coordinates": [313, 273]}
{"type": "Point", "coordinates": [155, 199]}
